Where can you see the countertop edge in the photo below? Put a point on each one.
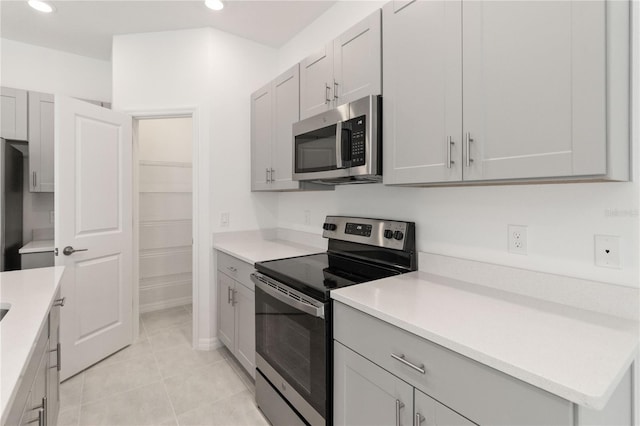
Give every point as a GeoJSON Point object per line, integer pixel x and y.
{"type": "Point", "coordinates": [6, 405]}
{"type": "Point", "coordinates": [596, 402]}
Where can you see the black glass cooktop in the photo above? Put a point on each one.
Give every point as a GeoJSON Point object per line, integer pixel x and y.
{"type": "Point", "coordinates": [317, 274]}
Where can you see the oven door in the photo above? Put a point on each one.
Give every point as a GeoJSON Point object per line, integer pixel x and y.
{"type": "Point", "coordinates": [291, 346]}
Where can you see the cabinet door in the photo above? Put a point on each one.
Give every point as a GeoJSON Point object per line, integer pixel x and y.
{"type": "Point", "coordinates": [286, 111]}
{"type": "Point", "coordinates": [432, 413]}
{"type": "Point", "coordinates": [261, 135]}
{"type": "Point", "coordinates": [365, 394]}
{"type": "Point", "coordinates": [41, 130]}
{"type": "Point", "coordinates": [357, 61]}
{"type": "Point", "coordinates": [38, 395]}
{"type": "Point", "coordinates": [55, 359]}
{"type": "Point", "coordinates": [422, 74]}
{"type": "Point", "coordinates": [13, 108]}
{"type": "Point", "coordinates": [534, 88]}
{"type": "Point", "coordinates": [316, 82]}
{"type": "Point", "coordinates": [244, 302]}
{"type": "Point", "coordinates": [226, 314]}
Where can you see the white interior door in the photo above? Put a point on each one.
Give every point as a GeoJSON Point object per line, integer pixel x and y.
{"type": "Point", "coordinates": [93, 205]}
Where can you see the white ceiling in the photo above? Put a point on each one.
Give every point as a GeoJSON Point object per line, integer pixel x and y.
{"type": "Point", "coordinates": [86, 27]}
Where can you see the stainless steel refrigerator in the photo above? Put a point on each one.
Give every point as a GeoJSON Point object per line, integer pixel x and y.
{"type": "Point", "coordinates": [12, 177]}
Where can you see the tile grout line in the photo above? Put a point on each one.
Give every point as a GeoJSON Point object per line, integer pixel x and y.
{"type": "Point", "coordinates": [164, 385]}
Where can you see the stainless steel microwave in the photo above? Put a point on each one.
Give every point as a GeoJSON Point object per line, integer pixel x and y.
{"type": "Point", "coordinates": [340, 146]}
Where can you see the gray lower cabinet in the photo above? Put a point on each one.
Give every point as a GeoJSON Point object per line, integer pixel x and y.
{"type": "Point", "coordinates": [37, 399]}
{"type": "Point", "coordinates": [382, 371]}
{"type": "Point", "coordinates": [368, 394]}
{"type": "Point", "coordinates": [236, 310]}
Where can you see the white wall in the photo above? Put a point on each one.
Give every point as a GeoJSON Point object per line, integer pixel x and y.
{"type": "Point", "coordinates": [25, 66]}
{"type": "Point", "coordinates": [212, 73]}
{"type": "Point", "coordinates": [471, 222]}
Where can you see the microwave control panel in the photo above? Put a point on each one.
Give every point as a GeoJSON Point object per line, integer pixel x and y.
{"type": "Point", "coordinates": [358, 126]}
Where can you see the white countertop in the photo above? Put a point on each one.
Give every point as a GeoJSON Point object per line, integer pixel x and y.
{"type": "Point", "coordinates": [31, 293]}
{"type": "Point", "coordinates": [576, 354]}
{"type": "Point", "coordinates": [252, 247]}
{"type": "Point", "coordinates": [38, 246]}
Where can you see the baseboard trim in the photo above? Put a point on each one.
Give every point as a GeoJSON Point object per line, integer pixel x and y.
{"type": "Point", "coordinates": [209, 344]}
{"type": "Point", "coordinates": [165, 304]}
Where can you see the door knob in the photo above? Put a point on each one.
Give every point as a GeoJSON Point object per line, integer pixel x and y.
{"type": "Point", "coordinates": [68, 250]}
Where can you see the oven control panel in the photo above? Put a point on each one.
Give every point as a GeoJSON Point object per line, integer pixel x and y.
{"type": "Point", "coordinates": [376, 232]}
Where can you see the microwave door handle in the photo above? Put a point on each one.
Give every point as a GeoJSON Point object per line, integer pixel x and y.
{"type": "Point", "coordinates": [339, 164]}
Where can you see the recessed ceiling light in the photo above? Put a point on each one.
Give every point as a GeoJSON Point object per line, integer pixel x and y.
{"type": "Point", "coordinates": [41, 6]}
{"type": "Point", "coordinates": [214, 4]}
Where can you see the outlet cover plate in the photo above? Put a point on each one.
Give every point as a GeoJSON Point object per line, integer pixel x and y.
{"type": "Point", "coordinates": [607, 251]}
{"type": "Point", "coordinates": [517, 239]}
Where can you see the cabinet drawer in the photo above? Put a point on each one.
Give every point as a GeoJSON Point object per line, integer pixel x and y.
{"type": "Point", "coordinates": [478, 392]}
{"type": "Point", "coordinates": [236, 269]}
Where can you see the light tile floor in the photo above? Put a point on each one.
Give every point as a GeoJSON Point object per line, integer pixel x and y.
{"type": "Point", "coordinates": [161, 380]}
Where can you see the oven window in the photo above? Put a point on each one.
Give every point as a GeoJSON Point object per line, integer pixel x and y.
{"type": "Point", "coordinates": [294, 344]}
{"type": "Point", "coordinates": [316, 150]}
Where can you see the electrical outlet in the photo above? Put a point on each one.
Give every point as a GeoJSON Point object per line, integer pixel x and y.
{"type": "Point", "coordinates": [517, 239]}
{"type": "Point", "coordinates": [224, 219]}
{"type": "Point", "coordinates": [307, 217]}
{"type": "Point", "coordinates": [607, 251]}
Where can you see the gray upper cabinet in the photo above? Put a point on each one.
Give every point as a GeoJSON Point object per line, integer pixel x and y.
{"type": "Point", "coordinates": [14, 113]}
{"type": "Point", "coordinates": [41, 142]}
{"type": "Point", "coordinates": [346, 69]}
{"type": "Point", "coordinates": [543, 94]}
{"type": "Point", "coordinates": [261, 136]}
{"type": "Point", "coordinates": [274, 109]}
{"type": "Point", "coordinates": [422, 72]}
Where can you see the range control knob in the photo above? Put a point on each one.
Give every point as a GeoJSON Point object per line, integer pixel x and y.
{"type": "Point", "coordinates": [398, 235]}
{"type": "Point", "coordinates": [329, 226]}
{"type": "Point", "coordinates": [388, 233]}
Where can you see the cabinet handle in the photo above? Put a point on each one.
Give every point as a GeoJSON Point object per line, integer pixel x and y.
{"type": "Point", "coordinates": [450, 143]}
{"type": "Point", "coordinates": [232, 269]}
{"type": "Point", "coordinates": [469, 160]}
{"type": "Point", "coordinates": [42, 413]}
{"type": "Point", "coordinates": [233, 297]}
{"type": "Point", "coordinates": [418, 420]}
{"type": "Point", "coordinates": [59, 302]}
{"type": "Point", "coordinates": [229, 295]}
{"type": "Point", "coordinates": [335, 89]}
{"type": "Point", "coordinates": [399, 406]}
{"type": "Point", "coordinates": [40, 419]}
{"type": "Point", "coordinates": [402, 359]}
{"type": "Point", "coordinates": [271, 175]}
{"type": "Point", "coordinates": [34, 178]}
{"type": "Point", "coordinates": [326, 93]}
{"type": "Point", "coordinates": [58, 357]}
{"type": "Point", "coordinates": [266, 179]}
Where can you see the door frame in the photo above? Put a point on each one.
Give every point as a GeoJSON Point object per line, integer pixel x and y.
{"type": "Point", "coordinates": [197, 231]}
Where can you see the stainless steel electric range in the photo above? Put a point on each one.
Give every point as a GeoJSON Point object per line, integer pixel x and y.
{"type": "Point", "coordinates": [294, 354]}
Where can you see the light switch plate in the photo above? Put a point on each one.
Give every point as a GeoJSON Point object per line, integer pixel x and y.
{"type": "Point", "coordinates": [607, 251]}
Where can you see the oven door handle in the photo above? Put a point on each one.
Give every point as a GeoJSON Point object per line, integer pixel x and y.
{"type": "Point", "coordinates": [316, 311]}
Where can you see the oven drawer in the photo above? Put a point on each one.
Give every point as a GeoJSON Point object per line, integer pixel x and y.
{"type": "Point", "coordinates": [478, 392]}
{"type": "Point", "coordinates": [236, 269]}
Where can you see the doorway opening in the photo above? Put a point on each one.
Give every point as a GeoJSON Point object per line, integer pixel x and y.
{"type": "Point", "coordinates": [163, 163]}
